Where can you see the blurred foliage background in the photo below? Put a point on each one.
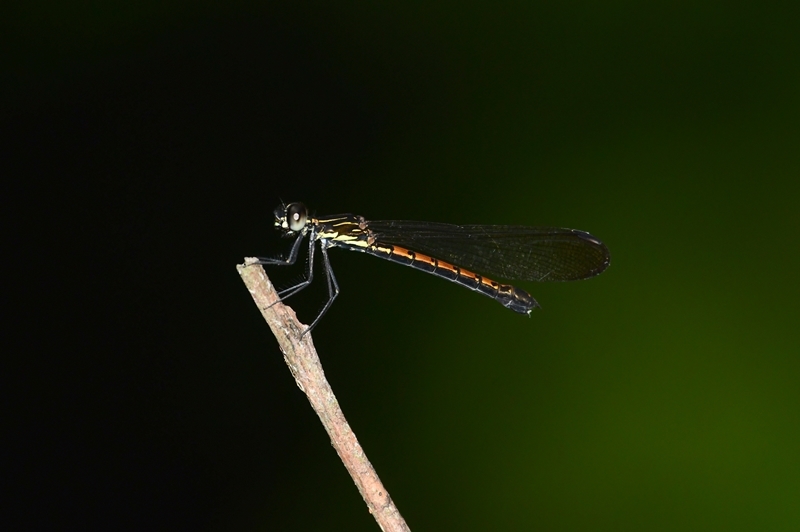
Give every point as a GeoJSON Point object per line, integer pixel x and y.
{"type": "Point", "coordinates": [148, 145]}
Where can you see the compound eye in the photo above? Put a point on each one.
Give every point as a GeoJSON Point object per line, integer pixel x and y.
{"type": "Point", "coordinates": [296, 216]}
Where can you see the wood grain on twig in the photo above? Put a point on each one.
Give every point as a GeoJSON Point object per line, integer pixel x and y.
{"type": "Point", "coordinates": [303, 362]}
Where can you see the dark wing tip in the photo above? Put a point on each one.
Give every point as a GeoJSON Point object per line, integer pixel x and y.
{"type": "Point", "coordinates": [600, 256]}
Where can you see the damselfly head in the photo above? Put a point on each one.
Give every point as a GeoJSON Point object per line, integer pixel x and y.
{"type": "Point", "coordinates": [292, 218]}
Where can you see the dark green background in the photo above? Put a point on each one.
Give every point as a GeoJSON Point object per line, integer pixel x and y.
{"type": "Point", "coordinates": [148, 145]}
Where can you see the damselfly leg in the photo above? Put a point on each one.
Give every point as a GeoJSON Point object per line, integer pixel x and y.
{"type": "Point", "coordinates": [333, 286]}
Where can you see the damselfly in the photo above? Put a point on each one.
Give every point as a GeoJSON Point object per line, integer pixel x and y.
{"type": "Point", "coordinates": [454, 252]}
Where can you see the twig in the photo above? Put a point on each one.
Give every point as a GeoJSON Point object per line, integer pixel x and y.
{"type": "Point", "coordinates": [303, 362]}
